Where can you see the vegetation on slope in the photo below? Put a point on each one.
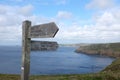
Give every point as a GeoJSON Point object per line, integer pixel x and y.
{"type": "Point", "coordinates": [110, 49]}
{"type": "Point", "coordinates": [114, 67]}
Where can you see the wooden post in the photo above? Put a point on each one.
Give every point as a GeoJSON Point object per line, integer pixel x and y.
{"type": "Point", "coordinates": [47, 30]}
{"type": "Point", "coordinates": [26, 42]}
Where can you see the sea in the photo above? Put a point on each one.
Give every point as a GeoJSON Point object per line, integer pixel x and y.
{"type": "Point", "coordinates": [62, 61]}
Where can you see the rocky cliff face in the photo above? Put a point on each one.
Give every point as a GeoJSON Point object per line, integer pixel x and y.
{"type": "Point", "coordinates": [111, 49]}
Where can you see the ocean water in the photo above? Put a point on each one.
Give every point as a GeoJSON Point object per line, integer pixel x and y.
{"type": "Point", "coordinates": [62, 61]}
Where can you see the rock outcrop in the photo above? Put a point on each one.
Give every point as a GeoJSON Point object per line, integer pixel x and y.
{"type": "Point", "coordinates": [111, 49]}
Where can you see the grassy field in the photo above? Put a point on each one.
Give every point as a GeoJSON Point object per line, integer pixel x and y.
{"type": "Point", "coordinates": [112, 72]}
{"type": "Point", "coordinates": [98, 76]}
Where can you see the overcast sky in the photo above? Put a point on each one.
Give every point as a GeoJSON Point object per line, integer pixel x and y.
{"type": "Point", "coordinates": [79, 21]}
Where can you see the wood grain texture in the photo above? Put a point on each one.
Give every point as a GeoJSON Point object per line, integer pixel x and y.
{"type": "Point", "coordinates": [26, 43]}
{"type": "Point", "coordinates": [44, 46]}
{"type": "Point", "coordinates": [47, 30]}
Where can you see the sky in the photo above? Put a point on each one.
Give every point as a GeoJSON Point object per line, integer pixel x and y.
{"type": "Point", "coordinates": [79, 21]}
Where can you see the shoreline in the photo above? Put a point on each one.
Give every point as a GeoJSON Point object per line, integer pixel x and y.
{"type": "Point", "coordinates": [109, 49]}
{"type": "Point", "coordinates": [111, 72]}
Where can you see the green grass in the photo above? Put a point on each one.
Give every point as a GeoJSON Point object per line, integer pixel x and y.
{"type": "Point", "coordinates": [9, 77]}
{"type": "Point", "coordinates": [112, 72]}
{"type": "Point", "coordinates": [97, 76]}
{"type": "Point", "coordinates": [114, 67]}
{"type": "Point", "coordinates": [112, 46]}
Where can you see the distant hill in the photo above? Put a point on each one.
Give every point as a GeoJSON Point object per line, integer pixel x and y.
{"type": "Point", "coordinates": [108, 49]}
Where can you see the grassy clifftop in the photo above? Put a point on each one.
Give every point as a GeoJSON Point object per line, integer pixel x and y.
{"type": "Point", "coordinates": [114, 67]}
{"type": "Point", "coordinates": [109, 49]}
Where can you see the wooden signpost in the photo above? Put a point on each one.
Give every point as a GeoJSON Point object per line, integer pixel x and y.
{"type": "Point", "coordinates": [43, 45]}
{"type": "Point", "coordinates": [47, 30]}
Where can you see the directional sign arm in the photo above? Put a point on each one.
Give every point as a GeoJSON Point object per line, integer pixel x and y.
{"type": "Point", "coordinates": [44, 46]}
{"type": "Point", "coordinates": [47, 30]}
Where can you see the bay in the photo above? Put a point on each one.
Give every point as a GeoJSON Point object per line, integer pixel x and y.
{"type": "Point", "coordinates": [62, 61]}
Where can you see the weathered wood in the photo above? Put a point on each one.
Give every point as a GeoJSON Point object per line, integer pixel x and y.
{"type": "Point", "coordinates": [44, 46]}
{"type": "Point", "coordinates": [39, 31]}
{"type": "Point", "coordinates": [47, 30]}
{"type": "Point", "coordinates": [26, 43]}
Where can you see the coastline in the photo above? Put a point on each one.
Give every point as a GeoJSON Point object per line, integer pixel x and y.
{"type": "Point", "coordinates": [109, 49]}
{"type": "Point", "coordinates": [109, 73]}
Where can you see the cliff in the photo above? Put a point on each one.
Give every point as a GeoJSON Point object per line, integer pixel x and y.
{"type": "Point", "coordinates": [109, 49]}
{"type": "Point", "coordinates": [114, 67]}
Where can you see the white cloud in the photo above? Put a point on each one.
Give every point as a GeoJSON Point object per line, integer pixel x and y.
{"type": "Point", "coordinates": [11, 19]}
{"type": "Point", "coordinates": [26, 10]}
{"type": "Point", "coordinates": [14, 15]}
{"type": "Point", "coordinates": [106, 28]}
{"type": "Point", "coordinates": [10, 23]}
{"type": "Point", "coordinates": [101, 4]}
{"type": "Point", "coordinates": [10, 35]}
{"type": "Point", "coordinates": [64, 15]}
